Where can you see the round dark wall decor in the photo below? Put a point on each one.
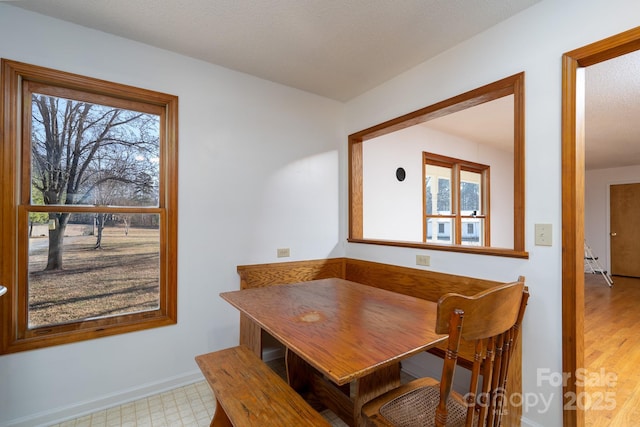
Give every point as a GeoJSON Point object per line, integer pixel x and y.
{"type": "Point", "coordinates": [401, 174]}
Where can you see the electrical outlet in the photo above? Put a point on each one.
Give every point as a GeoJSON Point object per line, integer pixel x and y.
{"type": "Point", "coordinates": [423, 260]}
{"type": "Point", "coordinates": [283, 252]}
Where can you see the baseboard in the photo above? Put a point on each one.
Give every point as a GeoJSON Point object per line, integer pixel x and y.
{"type": "Point", "coordinates": [528, 423]}
{"type": "Point", "coordinates": [81, 409]}
{"type": "Point", "coordinates": [272, 353]}
{"type": "Point", "coordinates": [427, 365]}
{"type": "Point", "coordinates": [272, 349]}
{"type": "Point", "coordinates": [423, 365]}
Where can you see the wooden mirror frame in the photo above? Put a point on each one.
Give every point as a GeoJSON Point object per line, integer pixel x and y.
{"type": "Point", "coordinates": [513, 85]}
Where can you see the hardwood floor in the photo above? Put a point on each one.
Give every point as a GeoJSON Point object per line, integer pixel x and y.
{"type": "Point", "coordinates": [612, 352]}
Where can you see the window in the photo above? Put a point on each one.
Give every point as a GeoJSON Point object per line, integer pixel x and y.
{"type": "Point", "coordinates": [461, 208]}
{"type": "Point", "coordinates": [89, 224]}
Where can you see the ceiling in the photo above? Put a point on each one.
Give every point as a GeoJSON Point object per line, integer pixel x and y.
{"type": "Point", "coordinates": [490, 123]}
{"type": "Point", "coordinates": [612, 116]}
{"type": "Point", "coordinates": [340, 49]}
{"type": "Point", "coordinates": [335, 48]}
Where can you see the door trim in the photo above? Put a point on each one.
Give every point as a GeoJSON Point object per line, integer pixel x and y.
{"type": "Point", "coordinates": [573, 106]}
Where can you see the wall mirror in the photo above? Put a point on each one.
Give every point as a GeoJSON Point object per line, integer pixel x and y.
{"type": "Point", "coordinates": [462, 164]}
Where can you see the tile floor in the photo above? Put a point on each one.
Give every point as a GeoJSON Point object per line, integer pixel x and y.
{"type": "Point", "coordinates": [189, 406]}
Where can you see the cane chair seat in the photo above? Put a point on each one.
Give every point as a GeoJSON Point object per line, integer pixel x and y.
{"type": "Point", "coordinates": [416, 405]}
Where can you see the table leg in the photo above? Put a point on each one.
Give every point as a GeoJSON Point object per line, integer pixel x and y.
{"type": "Point", "coordinates": [321, 393]}
{"type": "Point", "coordinates": [220, 418]}
{"type": "Point", "coordinates": [251, 334]}
{"type": "Point", "coordinates": [372, 386]}
{"type": "Point", "coordinates": [317, 390]}
{"type": "Point", "coordinates": [299, 373]}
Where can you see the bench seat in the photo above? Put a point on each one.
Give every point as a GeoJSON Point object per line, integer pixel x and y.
{"type": "Point", "coordinates": [250, 393]}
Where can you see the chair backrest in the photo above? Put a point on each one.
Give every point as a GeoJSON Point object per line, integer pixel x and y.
{"type": "Point", "coordinates": [491, 319]}
{"type": "Point", "coordinates": [487, 313]}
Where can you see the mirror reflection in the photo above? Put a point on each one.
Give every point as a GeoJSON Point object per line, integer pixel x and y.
{"type": "Point", "coordinates": [463, 168]}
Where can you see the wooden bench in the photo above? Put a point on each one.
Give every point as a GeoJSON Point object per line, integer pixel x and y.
{"type": "Point", "coordinates": [419, 283]}
{"type": "Point", "coordinates": [249, 393]}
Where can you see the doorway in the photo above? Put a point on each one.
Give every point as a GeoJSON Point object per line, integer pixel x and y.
{"type": "Point", "coordinates": [625, 229]}
{"type": "Point", "coordinates": [573, 178]}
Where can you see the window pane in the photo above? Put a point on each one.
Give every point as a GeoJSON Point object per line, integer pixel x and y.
{"type": "Point", "coordinates": [438, 181]}
{"type": "Point", "coordinates": [444, 196]}
{"type": "Point", "coordinates": [440, 230]}
{"type": "Point", "coordinates": [84, 153]}
{"type": "Point", "coordinates": [470, 193]}
{"type": "Point", "coordinates": [429, 195]}
{"type": "Point", "coordinates": [473, 231]}
{"type": "Point", "coordinates": [111, 267]}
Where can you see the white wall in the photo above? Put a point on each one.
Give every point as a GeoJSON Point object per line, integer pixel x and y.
{"type": "Point", "coordinates": [596, 207]}
{"type": "Point", "coordinates": [533, 42]}
{"type": "Point", "coordinates": [393, 209]}
{"type": "Point", "coordinates": [259, 170]}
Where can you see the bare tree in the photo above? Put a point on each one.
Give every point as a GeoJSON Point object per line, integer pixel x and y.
{"type": "Point", "coordinates": [79, 148]}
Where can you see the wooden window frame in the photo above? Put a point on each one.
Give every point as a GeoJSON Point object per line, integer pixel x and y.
{"type": "Point", "coordinates": [457, 166]}
{"type": "Point", "coordinates": [15, 164]}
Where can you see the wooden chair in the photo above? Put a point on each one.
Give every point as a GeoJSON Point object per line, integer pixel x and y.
{"type": "Point", "coordinates": [491, 320]}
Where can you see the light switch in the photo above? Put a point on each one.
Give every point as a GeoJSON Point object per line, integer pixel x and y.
{"type": "Point", "coordinates": [543, 234]}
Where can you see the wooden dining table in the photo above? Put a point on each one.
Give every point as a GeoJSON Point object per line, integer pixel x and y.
{"type": "Point", "coordinates": [344, 340]}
